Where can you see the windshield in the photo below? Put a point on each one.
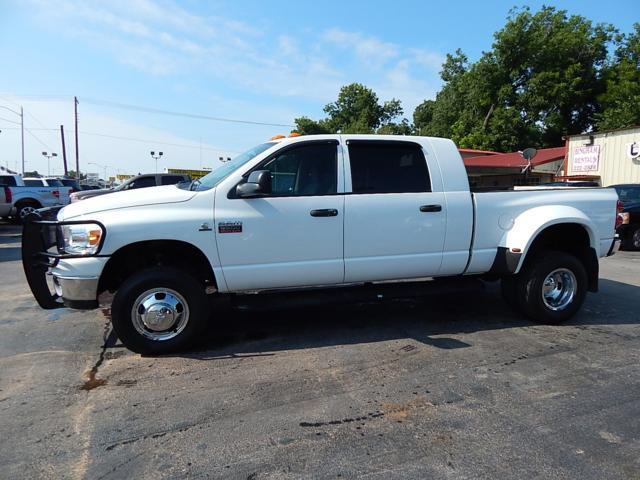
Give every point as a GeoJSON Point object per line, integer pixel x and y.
{"type": "Point", "coordinates": [220, 173]}
{"type": "Point", "coordinates": [629, 194]}
{"type": "Point", "coordinates": [54, 182]}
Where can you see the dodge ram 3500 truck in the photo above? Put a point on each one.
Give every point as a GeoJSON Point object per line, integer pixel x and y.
{"type": "Point", "coordinates": [314, 211]}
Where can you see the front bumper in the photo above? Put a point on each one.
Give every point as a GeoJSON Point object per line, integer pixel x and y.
{"type": "Point", "coordinates": [40, 258]}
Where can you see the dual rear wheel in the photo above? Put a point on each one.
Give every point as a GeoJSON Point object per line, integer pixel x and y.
{"type": "Point", "coordinates": [550, 288]}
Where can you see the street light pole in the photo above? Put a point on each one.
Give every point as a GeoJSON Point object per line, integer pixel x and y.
{"type": "Point", "coordinates": [156, 157]}
{"type": "Point", "coordinates": [49, 155]}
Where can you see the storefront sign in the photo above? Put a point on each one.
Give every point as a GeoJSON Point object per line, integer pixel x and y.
{"type": "Point", "coordinates": [633, 150]}
{"type": "Point", "coordinates": [585, 158]}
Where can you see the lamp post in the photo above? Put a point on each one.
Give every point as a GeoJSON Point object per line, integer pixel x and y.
{"type": "Point", "coordinates": [49, 155]}
{"type": "Point", "coordinates": [156, 157]}
{"type": "Point", "coordinates": [104, 167]}
{"type": "Point", "coordinates": [21, 115]}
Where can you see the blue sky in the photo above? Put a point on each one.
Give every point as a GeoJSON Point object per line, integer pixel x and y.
{"type": "Point", "coordinates": [250, 60]}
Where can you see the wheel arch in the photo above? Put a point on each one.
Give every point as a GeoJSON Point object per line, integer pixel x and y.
{"type": "Point", "coordinates": [153, 253]}
{"type": "Point", "coordinates": [27, 201]}
{"type": "Point", "coordinates": [560, 228]}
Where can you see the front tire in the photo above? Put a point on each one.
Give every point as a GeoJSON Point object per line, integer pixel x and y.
{"type": "Point", "coordinates": [552, 287]}
{"type": "Point", "coordinates": [159, 310]}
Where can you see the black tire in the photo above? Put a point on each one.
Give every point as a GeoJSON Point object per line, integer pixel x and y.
{"type": "Point", "coordinates": [194, 298]}
{"type": "Point", "coordinates": [631, 240]}
{"type": "Point", "coordinates": [508, 289]}
{"type": "Point", "coordinates": [530, 283]}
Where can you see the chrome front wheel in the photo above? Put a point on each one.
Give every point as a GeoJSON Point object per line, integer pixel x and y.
{"type": "Point", "coordinates": [160, 314]}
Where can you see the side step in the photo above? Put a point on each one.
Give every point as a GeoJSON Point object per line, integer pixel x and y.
{"type": "Point", "coordinates": [366, 293]}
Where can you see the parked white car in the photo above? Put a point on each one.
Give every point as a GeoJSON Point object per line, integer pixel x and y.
{"type": "Point", "coordinates": [316, 211]}
{"type": "Point", "coordinates": [29, 194]}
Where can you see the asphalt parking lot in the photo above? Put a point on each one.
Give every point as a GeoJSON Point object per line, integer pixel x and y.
{"type": "Point", "coordinates": [452, 386]}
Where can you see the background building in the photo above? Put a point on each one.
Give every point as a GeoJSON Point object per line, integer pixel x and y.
{"type": "Point", "coordinates": [609, 157]}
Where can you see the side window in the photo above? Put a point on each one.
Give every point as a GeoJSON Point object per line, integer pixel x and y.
{"type": "Point", "coordinates": [388, 167]}
{"type": "Point", "coordinates": [142, 182]}
{"type": "Point", "coordinates": [304, 170]}
{"type": "Point", "coordinates": [171, 179]}
{"type": "Point", "coordinates": [34, 183]}
{"type": "Point", "coordinates": [7, 180]}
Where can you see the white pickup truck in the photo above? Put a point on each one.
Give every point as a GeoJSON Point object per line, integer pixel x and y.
{"type": "Point", "coordinates": [24, 196]}
{"type": "Point", "coordinates": [315, 211]}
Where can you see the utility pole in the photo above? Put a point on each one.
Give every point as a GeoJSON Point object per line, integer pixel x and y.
{"type": "Point", "coordinates": [22, 136]}
{"type": "Point", "coordinates": [75, 107]}
{"type": "Point", "coordinates": [64, 151]}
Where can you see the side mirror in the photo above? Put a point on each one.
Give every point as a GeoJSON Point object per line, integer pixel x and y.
{"type": "Point", "coordinates": [258, 183]}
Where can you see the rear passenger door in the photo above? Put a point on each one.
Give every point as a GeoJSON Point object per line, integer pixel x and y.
{"type": "Point", "coordinates": [394, 217]}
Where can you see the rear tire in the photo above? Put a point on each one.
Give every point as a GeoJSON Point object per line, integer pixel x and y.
{"type": "Point", "coordinates": [551, 287]}
{"type": "Point", "coordinates": [631, 241]}
{"type": "Point", "coordinates": [159, 310]}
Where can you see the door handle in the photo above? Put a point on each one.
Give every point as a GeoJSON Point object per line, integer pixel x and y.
{"type": "Point", "coordinates": [431, 208]}
{"type": "Point", "coordinates": [324, 212]}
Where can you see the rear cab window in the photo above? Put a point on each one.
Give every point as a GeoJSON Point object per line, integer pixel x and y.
{"type": "Point", "coordinates": [380, 166]}
{"type": "Point", "coordinates": [34, 183]}
{"type": "Point", "coordinates": [8, 180]}
{"type": "Point", "coordinates": [171, 179]}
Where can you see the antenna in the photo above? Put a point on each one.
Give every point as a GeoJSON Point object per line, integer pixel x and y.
{"type": "Point", "coordinates": [528, 154]}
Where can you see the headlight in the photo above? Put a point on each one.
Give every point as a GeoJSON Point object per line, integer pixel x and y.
{"type": "Point", "coordinates": [82, 238]}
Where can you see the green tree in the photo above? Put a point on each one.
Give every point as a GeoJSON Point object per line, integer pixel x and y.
{"type": "Point", "coordinates": [540, 81]}
{"type": "Point", "coordinates": [621, 100]}
{"type": "Point", "coordinates": [357, 110]}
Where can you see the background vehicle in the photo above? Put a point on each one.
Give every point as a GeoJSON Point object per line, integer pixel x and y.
{"type": "Point", "coordinates": [5, 201]}
{"type": "Point", "coordinates": [140, 181]}
{"type": "Point", "coordinates": [629, 231]}
{"type": "Point", "coordinates": [72, 183]}
{"type": "Point", "coordinates": [317, 211]}
{"type": "Point", "coordinates": [25, 199]}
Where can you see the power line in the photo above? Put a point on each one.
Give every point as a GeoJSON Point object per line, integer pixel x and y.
{"type": "Point", "coordinates": [132, 139]}
{"type": "Point", "coordinates": [155, 142]}
{"type": "Point", "coordinates": [37, 138]}
{"type": "Point", "coordinates": [160, 111]}
{"type": "Point", "coordinates": [10, 121]}
{"type": "Point", "coordinates": [126, 106]}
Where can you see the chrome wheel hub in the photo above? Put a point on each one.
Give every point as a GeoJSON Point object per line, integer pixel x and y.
{"type": "Point", "coordinates": [636, 238]}
{"type": "Point", "coordinates": [26, 211]}
{"type": "Point", "coordinates": [160, 314]}
{"type": "Point", "coordinates": [559, 288]}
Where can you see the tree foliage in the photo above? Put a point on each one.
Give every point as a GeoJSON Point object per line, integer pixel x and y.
{"type": "Point", "coordinates": [357, 110]}
{"type": "Point", "coordinates": [540, 81]}
{"type": "Point", "coordinates": [548, 74]}
{"type": "Point", "coordinates": [621, 99]}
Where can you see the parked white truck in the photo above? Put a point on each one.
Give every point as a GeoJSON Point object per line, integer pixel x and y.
{"type": "Point", "coordinates": [308, 212]}
{"type": "Point", "coordinates": [25, 196]}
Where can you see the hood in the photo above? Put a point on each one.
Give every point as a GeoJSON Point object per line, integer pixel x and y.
{"type": "Point", "coordinates": [82, 194]}
{"type": "Point", "coordinates": [129, 198]}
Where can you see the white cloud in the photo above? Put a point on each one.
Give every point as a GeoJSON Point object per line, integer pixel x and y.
{"type": "Point", "coordinates": [369, 50]}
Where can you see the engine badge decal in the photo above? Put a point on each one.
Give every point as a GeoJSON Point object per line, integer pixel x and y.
{"type": "Point", "coordinates": [230, 227]}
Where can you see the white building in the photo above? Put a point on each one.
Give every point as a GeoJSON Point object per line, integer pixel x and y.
{"type": "Point", "coordinates": [611, 157]}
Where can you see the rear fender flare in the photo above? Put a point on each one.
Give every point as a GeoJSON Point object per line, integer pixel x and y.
{"type": "Point", "coordinates": [530, 223]}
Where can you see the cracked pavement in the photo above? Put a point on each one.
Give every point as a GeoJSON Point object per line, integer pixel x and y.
{"type": "Point", "coordinates": [454, 386]}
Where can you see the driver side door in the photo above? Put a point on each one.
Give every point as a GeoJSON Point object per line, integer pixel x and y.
{"type": "Point", "coordinates": [294, 236]}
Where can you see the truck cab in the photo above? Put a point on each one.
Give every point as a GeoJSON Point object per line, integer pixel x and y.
{"type": "Point", "coordinates": [314, 212]}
